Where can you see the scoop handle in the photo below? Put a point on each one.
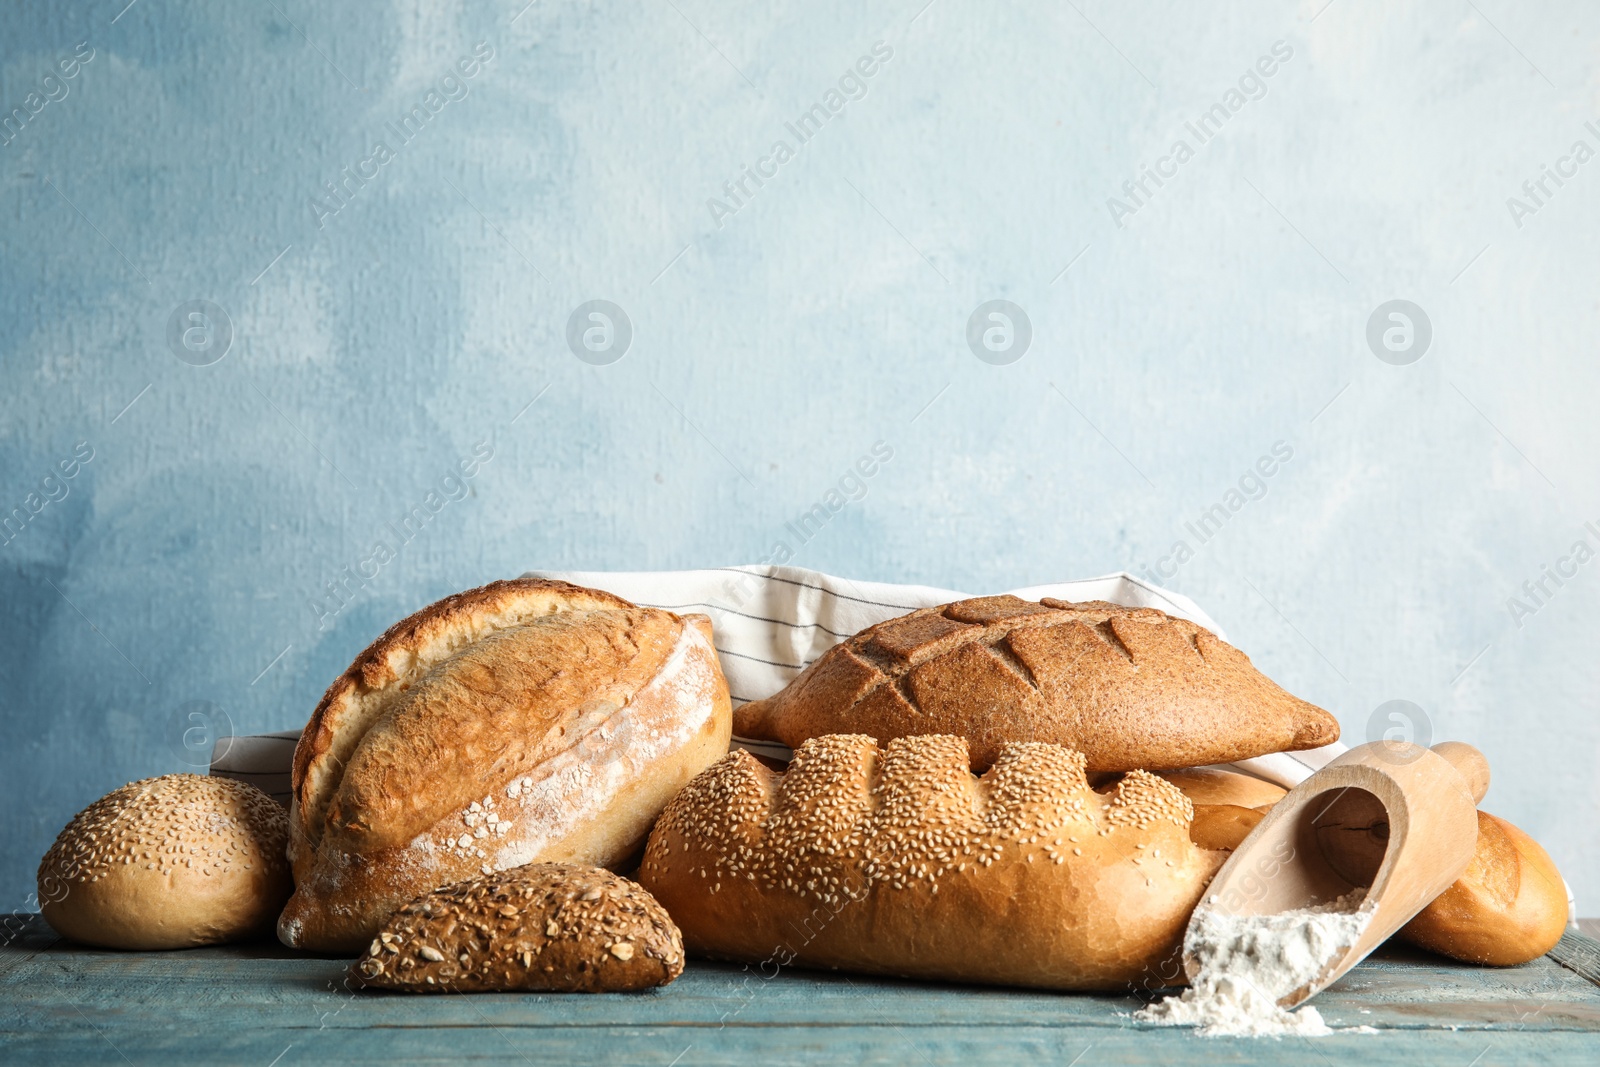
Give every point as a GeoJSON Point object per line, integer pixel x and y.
{"type": "Point", "coordinates": [1469, 763]}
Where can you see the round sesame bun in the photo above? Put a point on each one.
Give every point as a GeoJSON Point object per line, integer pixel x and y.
{"type": "Point", "coordinates": [169, 862]}
{"type": "Point", "coordinates": [545, 927]}
{"type": "Point", "coordinates": [902, 862]}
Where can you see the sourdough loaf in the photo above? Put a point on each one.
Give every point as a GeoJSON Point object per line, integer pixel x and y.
{"type": "Point", "coordinates": [1127, 687]}
{"type": "Point", "coordinates": [1509, 906]}
{"type": "Point", "coordinates": [526, 720]}
{"type": "Point", "coordinates": [169, 862]}
{"type": "Point", "coordinates": [901, 862]}
{"type": "Point", "coordinates": [545, 927]}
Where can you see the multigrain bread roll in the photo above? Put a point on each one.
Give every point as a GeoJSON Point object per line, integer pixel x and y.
{"type": "Point", "coordinates": [546, 927]}
{"type": "Point", "coordinates": [902, 862]}
{"type": "Point", "coordinates": [169, 862]}
{"type": "Point", "coordinates": [1127, 687]}
{"type": "Point", "coordinates": [527, 720]}
{"type": "Point", "coordinates": [1227, 804]}
{"type": "Point", "coordinates": [1509, 906]}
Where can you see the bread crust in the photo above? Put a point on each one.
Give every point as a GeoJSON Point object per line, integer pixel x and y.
{"type": "Point", "coordinates": [545, 927]}
{"type": "Point", "coordinates": [523, 721]}
{"type": "Point", "coordinates": [1508, 907]}
{"type": "Point", "coordinates": [406, 651]}
{"type": "Point", "coordinates": [170, 862]}
{"type": "Point", "coordinates": [901, 862]}
{"type": "Point", "coordinates": [1128, 687]}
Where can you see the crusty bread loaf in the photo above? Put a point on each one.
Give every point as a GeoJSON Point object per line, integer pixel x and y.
{"type": "Point", "coordinates": [902, 862]}
{"type": "Point", "coordinates": [546, 927]}
{"type": "Point", "coordinates": [527, 720]}
{"type": "Point", "coordinates": [1127, 687]}
{"type": "Point", "coordinates": [169, 862]}
{"type": "Point", "coordinates": [1227, 804]}
{"type": "Point", "coordinates": [1509, 906]}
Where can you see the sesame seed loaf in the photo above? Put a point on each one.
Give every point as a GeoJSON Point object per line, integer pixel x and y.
{"type": "Point", "coordinates": [545, 927]}
{"type": "Point", "coordinates": [169, 862]}
{"type": "Point", "coordinates": [526, 720]}
{"type": "Point", "coordinates": [1127, 687]}
{"type": "Point", "coordinates": [901, 862]}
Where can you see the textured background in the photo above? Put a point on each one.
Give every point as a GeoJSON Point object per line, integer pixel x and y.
{"type": "Point", "coordinates": [374, 346]}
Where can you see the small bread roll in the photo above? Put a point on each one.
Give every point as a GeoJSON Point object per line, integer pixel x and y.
{"type": "Point", "coordinates": [1227, 805]}
{"type": "Point", "coordinates": [169, 862]}
{"type": "Point", "coordinates": [1508, 907]}
{"type": "Point", "coordinates": [554, 927]}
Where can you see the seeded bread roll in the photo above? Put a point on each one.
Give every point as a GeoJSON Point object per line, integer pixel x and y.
{"type": "Point", "coordinates": [902, 862]}
{"type": "Point", "coordinates": [546, 927]}
{"type": "Point", "coordinates": [1509, 906]}
{"type": "Point", "coordinates": [1127, 687]}
{"type": "Point", "coordinates": [169, 862]}
{"type": "Point", "coordinates": [521, 722]}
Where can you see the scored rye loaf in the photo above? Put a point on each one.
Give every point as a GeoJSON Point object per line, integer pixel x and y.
{"type": "Point", "coordinates": [899, 861]}
{"type": "Point", "coordinates": [1127, 687]}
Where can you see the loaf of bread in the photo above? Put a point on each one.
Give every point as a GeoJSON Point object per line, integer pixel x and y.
{"type": "Point", "coordinates": [524, 721]}
{"type": "Point", "coordinates": [546, 927]}
{"type": "Point", "coordinates": [1127, 687]}
{"type": "Point", "coordinates": [902, 862]}
{"type": "Point", "coordinates": [1509, 906]}
{"type": "Point", "coordinates": [169, 862]}
{"type": "Point", "coordinates": [1227, 804]}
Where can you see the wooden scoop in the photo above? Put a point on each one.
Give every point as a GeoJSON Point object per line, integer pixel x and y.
{"type": "Point", "coordinates": [1394, 818]}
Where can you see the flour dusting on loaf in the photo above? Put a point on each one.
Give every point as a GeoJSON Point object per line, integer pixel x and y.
{"type": "Point", "coordinates": [613, 752]}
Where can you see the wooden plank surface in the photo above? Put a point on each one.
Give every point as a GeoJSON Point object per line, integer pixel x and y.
{"type": "Point", "coordinates": [264, 1005]}
{"type": "Point", "coordinates": [1579, 951]}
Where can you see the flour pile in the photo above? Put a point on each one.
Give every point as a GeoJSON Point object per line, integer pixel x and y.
{"type": "Point", "coordinates": [1247, 962]}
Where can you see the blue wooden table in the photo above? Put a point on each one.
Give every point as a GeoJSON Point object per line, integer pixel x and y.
{"type": "Point", "coordinates": [266, 1006]}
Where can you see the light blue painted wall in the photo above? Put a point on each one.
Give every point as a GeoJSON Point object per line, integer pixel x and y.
{"type": "Point", "coordinates": [375, 346]}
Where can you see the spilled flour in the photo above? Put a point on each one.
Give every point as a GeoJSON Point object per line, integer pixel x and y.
{"type": "Point", "coordinates": [1248, 962]}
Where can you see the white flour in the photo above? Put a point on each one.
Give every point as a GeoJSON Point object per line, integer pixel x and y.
{"type": "Point", "coordinates": [1248, 962]}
